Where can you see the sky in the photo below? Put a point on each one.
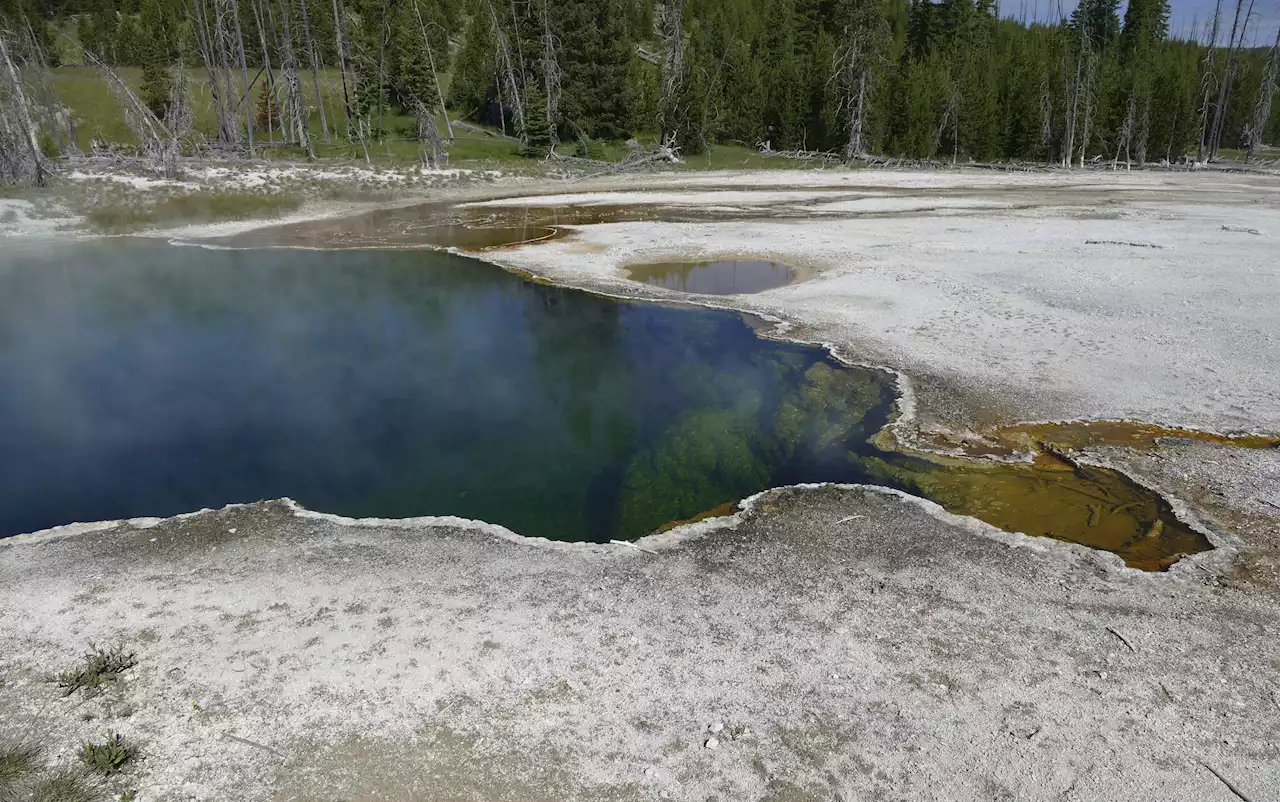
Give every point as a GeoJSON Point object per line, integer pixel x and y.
{"type": "Point", "coordinates": [1188, 17]}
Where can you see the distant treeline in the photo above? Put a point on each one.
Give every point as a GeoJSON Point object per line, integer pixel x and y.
{"type": "Point", "coordinates": [944, 80]}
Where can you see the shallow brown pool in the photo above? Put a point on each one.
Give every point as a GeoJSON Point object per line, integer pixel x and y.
{"type": "Point", "coordinates": [719, 277]}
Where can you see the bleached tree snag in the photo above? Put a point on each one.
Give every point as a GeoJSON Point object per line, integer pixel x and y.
{"type": "Point", "coordinates": [435, 76]}
{"type": "Point", "coordinates": [550, 71]}
{"type": "Point", "coordinates": [315, 66]}
{"type": "Point", "coordinates": [25, 163]}
{"type": "Point", "coordinates": [339, 25]}
{"type": "Point", "coordinates": [1228, 82]}
{"type": "Point", "coordinates": [295, 109]}
{"type": "Point", "coordinates": [853, 87]}
{"type": "Point", "coordinates": [52, 117]}
{"type": "Point", "coordinates": [1046, 114]}
{"type": "Point", "coordinates": [515, 95]}
{"type": "Point", "coordinates": [1262, 108]}
{"type": "Point", "coordinates": [1220, 108]}
{"type": "Point", "coordinates": [1073, 87]}
{"type": "Point", "coordinates": [430, 146]}
{"type": "Point", "coordinates": [671, 19]}
{"type": "Point", "coordinates": [245, 86]}
{"type": "Point", "coordinates": [950, 119]}
{"type": "Point", "coordinates": [261, 21]}
{"type": "Point", "coordinates": [178, 118]}
{"type": "Point", "coordinates": [1088, 89]}
{"type": "Point", "coordinates": [1208, 71]}
{"type": "Point", "coordinates": [1125, 138]}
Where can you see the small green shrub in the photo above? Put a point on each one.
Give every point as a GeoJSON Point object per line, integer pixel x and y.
{"type": "Point", "coordinates": [97, 668]}
{"type": "Point", "coordinates": [106, 758]}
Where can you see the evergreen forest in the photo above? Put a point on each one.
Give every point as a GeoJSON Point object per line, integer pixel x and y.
{"type": "Point", "coordinates": [951, 80]}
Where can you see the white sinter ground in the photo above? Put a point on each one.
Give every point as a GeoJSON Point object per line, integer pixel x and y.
{"type": "Point", "coordinates": [827, 645]}
{"type": "Point", "coordinates": [1019, 296]}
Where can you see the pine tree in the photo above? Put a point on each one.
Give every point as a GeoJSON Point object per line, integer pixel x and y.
{"type": "Point", "coordinates": [536, 136]}
{"type": "Point", "coordinates": [784, 93]}
{"type": "Point", "coordinates": [473, 75]}
{"type": "Point", "coordinates": [595, 54]}
{"type": "Point", "coordinates": [153, 54]}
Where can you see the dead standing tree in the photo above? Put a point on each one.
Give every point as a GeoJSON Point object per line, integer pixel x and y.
{"type": "Point", "coordinates": [1087, 91]}
{"type": "Point", "coordinates": [294, 111]}
{"type": "Point", "coordinates": [178, 117]}
{"type": "Point", "coordinates": [1224, 88]}
{"type": "Point", "coordinates": [21, 160]}
{"type": "Point", "coordinates": [671, 27]}
{"type": "Point", "coordinates": [1266, 92]}
{"type": "Point", "coordinates": [550, 71]}
{"type": "Point", "coordinates": [511, 77]}
{"type": "Point", "coordinates": [435, 76]}
{"type": "Point", "coordinates": [1080, 76]}
{"type": "Point", "coordinates": [212, 39]}
{"type": "Point", "coordinates": [1208, 74]}
{"type": "Point", "coordinates": [314, 61]}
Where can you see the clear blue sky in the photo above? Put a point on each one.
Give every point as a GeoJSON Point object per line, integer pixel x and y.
{"type": "Point", "coordinates": [1188, 16]}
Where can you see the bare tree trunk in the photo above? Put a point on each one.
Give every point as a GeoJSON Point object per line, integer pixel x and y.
{"type": "Point", "coordinates": [384, 32]}
{"type": "Point", "coordinates": [1208, 70]}
{"type": "Point", "coordinates": [226, 58]}
{"type": "Point", "coordinates": [1046, 117]}
{"type": "Point", "coordinates": [950, 118]}
{"type": "Point", "coordinates": [854, 84]}
{"type": "Point", "coordinates": [435, 76]}
{"type": "Point", "coordinates": [28, 133]}
{"type": "Point", "coordinates": [315, 66]}
{"type": "Point", "coordinates": [207, 28]}
{"type": "Point", "coordinates": [1266, 91]}
{"type": "Point", "coordinates": [430, 146]}
{"type": "Point", "coordinates": [246, 87]}
{"type": "Point", "coordinates": [550, 71]}
{"type": "Point", "coordinates": [672, 65]}
{"type": "Point", "coordinates": [1144, 130]}
{"type": "Point", "coordinates": [1126, 134]}
{"type": "Point", "coordinates": [1073, 95]}
{"type": "Point", "coordinates": [1086, 88]}
{"type": "Point", "coordinates": [294, 106]}
{"type": "Point", "coordinates": [1220, 109]}
{"type": "Point", "coordinates": [339, 25]}
{"type": "Point", "coordinates": [1229, 78]}
{"type": "Point", "coordinates": [260, 18]}
{"type": "Point", "coordinates": [514, 92]}
{"type": "Point", "coordinates": [179, 118]}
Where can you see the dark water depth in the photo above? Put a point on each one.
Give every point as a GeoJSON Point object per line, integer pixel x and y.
{"type": "Point", "coordinates": [141, 379]}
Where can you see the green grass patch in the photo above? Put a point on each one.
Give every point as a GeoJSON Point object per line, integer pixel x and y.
{"type": "Point", "coordinates": [190, 209]}
{"type": "Point", "coordinates": [17, 761]}
{"type": "Point", "coordinates": [97, 668]}
{"type": "Point", "coordinates": [65, 785]}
